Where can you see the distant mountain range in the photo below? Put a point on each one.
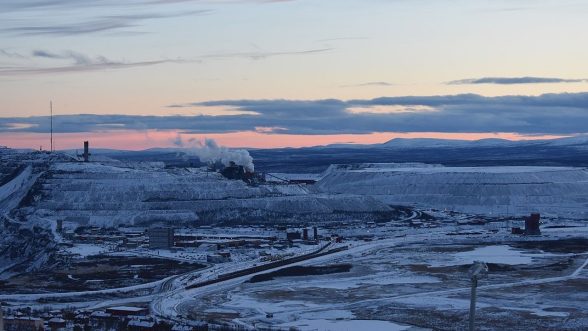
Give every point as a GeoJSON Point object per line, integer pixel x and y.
{"type": "Point", "coordinates": [409, 143]}
{"type": "Point", "coordinates": [572, 151]}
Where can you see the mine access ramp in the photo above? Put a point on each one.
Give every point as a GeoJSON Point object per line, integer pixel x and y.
{"type": "Point", "coordinates": [268, 266]}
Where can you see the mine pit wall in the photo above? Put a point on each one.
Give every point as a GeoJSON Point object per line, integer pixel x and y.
{"type": "Point", "coordinates": [561, 192]}
{"type": "Point", "coordinates": [105, 195]}
{"type": "Point", "coordinates": [24, 248]}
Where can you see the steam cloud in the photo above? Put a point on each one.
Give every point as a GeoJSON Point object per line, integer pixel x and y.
{"type": "Point", "coordinates": [210, 152]}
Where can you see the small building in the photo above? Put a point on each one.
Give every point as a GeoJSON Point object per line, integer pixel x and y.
{"type": "Point", "coordinates": [100, 315]}
{"type": "Point", "coordinates": [127, 311]}
{"type": "Point", "coordinates": [132, 242]}
{"type": "Point", "coordinates": [138, 325]}
{"type": "Point", "coordinates": [23, 323]}
{"type": "Point", "coordinates": [517, 230]}
{"type": "Point", "coordinates": [57, 323]}
{"type": "Point", "coordinates": [161, 238]}
{"type": "Point", "coordinates": [336, 238]}
{"type": "Point", "coordinates": [179, 327]}
{"type": "Point", "coordinates": [532, 224]}
{"type": "Point", "coordinates": [293, 236]}
{"type": "Point", "coordinates": [194, 326]}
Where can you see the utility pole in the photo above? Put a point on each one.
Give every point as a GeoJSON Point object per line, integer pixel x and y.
{"type": "Point", "coordinates": [1, 318]}
{"type": "Point", "coordinates": [477, 270]}
{"type": "Point", "coordinates": [473, 303]}
{"type": "Point", "coordinates": [51, 116]}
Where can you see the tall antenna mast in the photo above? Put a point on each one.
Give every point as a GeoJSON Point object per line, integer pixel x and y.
{"type": "Point", "coordinates": [51, 116]}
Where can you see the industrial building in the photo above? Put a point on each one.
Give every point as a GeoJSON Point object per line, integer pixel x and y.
{"type": "Point", "coordinates": [161, 238]}
{"type": "Point", "coordinates": [293, 235]}
{"type": "Point", "coordinates": [532, 224]}
{"type": "Point", "coordinates": [127, 311]}
{"type": "Point", "coordinates": [23, 323]}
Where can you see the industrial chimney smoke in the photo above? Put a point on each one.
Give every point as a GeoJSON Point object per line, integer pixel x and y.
{"type": "Point", "coordinates": [210, 152]}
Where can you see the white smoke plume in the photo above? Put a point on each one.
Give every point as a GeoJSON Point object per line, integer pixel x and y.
{"type": "Point", "coordinates": [209, 151]}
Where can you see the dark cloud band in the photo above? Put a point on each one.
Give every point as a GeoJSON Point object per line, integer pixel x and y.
{"type": "Point", "coordinates": [564, 113]}
{"type": "Point", "coordinates": [514, 80]}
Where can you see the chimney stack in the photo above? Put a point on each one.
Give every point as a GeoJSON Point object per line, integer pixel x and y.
{"type": "Point", "coordinates": [86, 151]}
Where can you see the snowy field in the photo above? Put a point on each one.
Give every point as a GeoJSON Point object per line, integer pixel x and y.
{"type": "Point", "coordinates": [418, 280]}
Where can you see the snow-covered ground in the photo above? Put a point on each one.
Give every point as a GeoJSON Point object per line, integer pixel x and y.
{"type": "Point", "coordinates": [501, 254]}
{"type": "Point", "coordinates": [409, 268]}
{"type": "Point", "coordinates": [344, 324]}
{"type": "Point", "coordinates": [402, 280]}
{"type": "Point", "coordinates": [85, 250]}
{"type": "Point", "coordinates": [402, 277]}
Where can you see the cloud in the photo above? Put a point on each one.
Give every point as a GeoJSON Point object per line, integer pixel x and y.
{"type": "Point", "coordinates": [259, 55]}
{"type": "Point", "coordinates": [81, 68]}
{"type": "Point", "coordinates": [83, 63]}
{"type": "Point", "coordinates": [9, 54]}
{"type": "Point", "coordinates": [77, 58]}
{"type": "Point", "coordinates": [79, 63]}
{"type": "Point", "coordinates": [342, 39]}
{"type": "Point", "coordinates": [56, 15]}
{"type": "Point", "coordinates": [59, 5]}
{"type": "Point", "coordinates": [93, 24]}
{"type": "Point", "coordinates": [564, 113]}
{"type": "Point", "coordinates": [70, 29]}
{"type": "Point", "coordinates": [514, 80]}
{"type": "Point", "coordinates": [369, 84]}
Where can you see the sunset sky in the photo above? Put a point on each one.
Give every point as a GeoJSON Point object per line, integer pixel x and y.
{"type": "Point", "coordinates": [137, 74]}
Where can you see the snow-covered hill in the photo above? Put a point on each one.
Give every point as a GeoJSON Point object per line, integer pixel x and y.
{"type": "Point", "coordinates": [489, 190]}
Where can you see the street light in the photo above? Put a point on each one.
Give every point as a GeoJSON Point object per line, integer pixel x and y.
{"type": "Point", "coordinates": [478, 270]}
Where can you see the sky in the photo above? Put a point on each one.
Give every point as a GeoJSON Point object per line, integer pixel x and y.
{"type": "Point", "coordinates": [136, 74]}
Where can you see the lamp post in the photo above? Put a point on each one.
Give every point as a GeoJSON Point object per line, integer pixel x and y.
{"type": "Point", "coordinates": [477, 270]}
{"type": "Point", "coordinates": [1, 318]}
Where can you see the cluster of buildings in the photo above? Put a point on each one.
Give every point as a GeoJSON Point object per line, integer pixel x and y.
{"type": "Point", "coordinates": [169, 238]}
{"type": "Point", "coordinates": [297, 235]}
{"type": "Point", "coordinates": [114, 318]}
{"type": "Point", "coordinates": [216, 245]}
